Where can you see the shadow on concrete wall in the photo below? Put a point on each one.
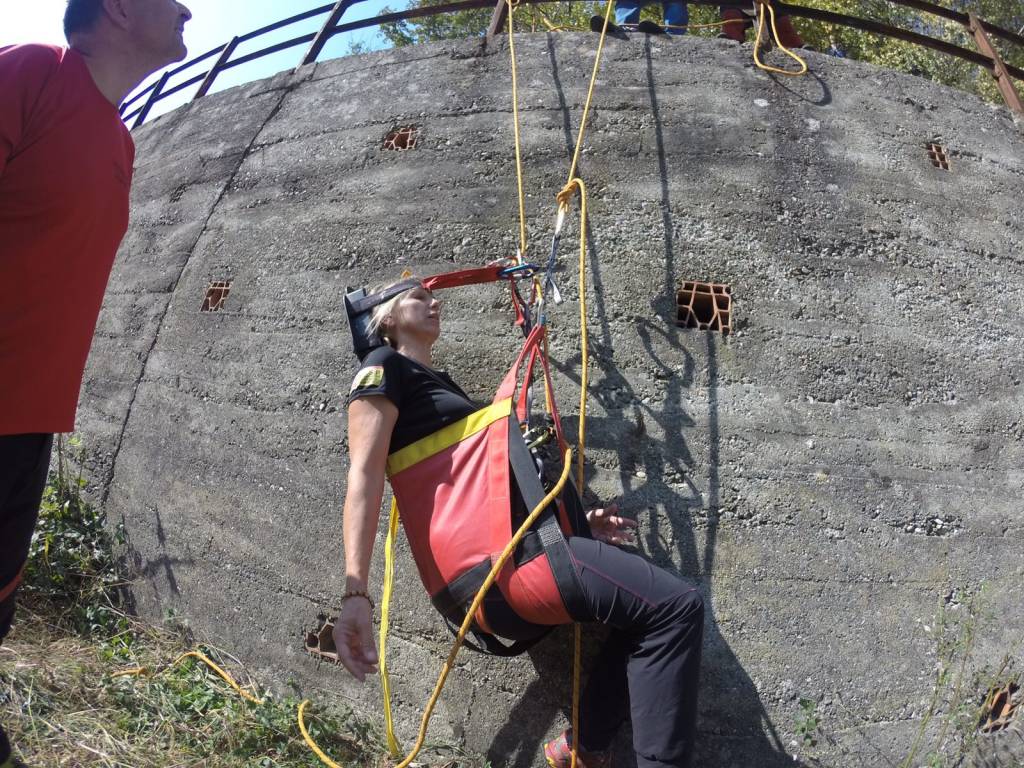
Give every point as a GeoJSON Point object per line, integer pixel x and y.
{"type": "Point", "coordinates": [149, 571]}
{"type": "Point", "coordinates": [734, 727]}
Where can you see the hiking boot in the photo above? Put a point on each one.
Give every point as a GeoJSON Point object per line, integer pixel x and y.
{"type": "Point", "coordinates": [649, 28]}
{"type": "Point", "coordinates": [614, 30]}
{"type": "Point", "coordinates": [558, 753]}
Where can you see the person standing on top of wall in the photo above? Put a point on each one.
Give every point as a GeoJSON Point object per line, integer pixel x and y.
{"type": "Point", "coordinates": [739, 22]}
{"type": "Point", "coordinates": [627, 13]}
{"type": "Point", "coordinates": [65, 170]}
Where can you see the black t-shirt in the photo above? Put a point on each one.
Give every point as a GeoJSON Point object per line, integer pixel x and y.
{"type": "Point", "coordinates": [426, 399]}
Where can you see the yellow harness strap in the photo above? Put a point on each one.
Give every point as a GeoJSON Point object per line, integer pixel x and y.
{"type": "Point", "coordinates": [448, 436]}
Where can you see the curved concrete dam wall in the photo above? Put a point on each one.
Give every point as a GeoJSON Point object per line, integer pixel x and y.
{"type": "Point", "coordinates": [846, 461]}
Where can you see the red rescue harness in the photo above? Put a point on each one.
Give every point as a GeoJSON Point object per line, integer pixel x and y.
{"type": "Point", "coordinates": [458, 491]}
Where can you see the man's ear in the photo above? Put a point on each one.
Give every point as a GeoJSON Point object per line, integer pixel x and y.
{"type": "Point", "coordinates": [118, 12]}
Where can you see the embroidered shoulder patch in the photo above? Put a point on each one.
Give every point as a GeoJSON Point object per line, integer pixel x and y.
{"type": "Point", "coordinates": [369, 377]}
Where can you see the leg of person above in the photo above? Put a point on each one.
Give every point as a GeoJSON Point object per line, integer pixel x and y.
{"type": "Point", "coordinates": [788, 37]}
{"type": "Point", "coordinates": [24, 461]}
{"type": "Point", "coordinates": [677, 17]}
{"type": "Point", "coordinates": [653, 652]}
{"type": "Point", "coordinates": [736, 26]}
{"type": "Point", "coordinates": [628, 11]}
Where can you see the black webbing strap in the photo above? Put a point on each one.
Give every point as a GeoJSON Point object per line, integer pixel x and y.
{"type": "Point", "coordinates": [457, 595]}
{"type": "Point", "coordinates": [551, 536]}
{"type": "Point", "coordinates": [369, 302]}
{"type": "Point", "coordinates": [545, 537]}
{"type": "Point", "coordinates": [455, 598]}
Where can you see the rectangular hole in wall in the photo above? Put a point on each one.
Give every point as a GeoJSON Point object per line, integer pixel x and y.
{"type": "Point", "coordinates": [938, 155]}
{"type": "Point", "coordinates": [704, 306]}
{"type": "Point", "coordinates": [999, 707]}
{"type": "Point", "coordinates": [402, 139]}
{"type": "Point", "coordinates": [215, 296]}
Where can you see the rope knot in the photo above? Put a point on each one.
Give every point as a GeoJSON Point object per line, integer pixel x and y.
{"type": "Point", "coordinates": [566, 194]}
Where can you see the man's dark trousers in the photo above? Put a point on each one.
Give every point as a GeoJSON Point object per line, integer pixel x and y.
{"type": "Point", "coordinates": [24, 461]}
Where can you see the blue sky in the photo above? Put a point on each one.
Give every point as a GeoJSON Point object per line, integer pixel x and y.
{"type": "Point", "coordinates": [213, 23]}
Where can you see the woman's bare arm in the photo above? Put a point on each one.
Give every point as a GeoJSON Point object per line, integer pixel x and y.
{"type": "Point", "coordinates": [371, 421]}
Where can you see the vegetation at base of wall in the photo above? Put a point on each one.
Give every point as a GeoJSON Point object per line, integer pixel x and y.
{"type": "Point", "coordinates": [64, 697]}
{"type": "Point", "coordinates": [61, 704]}
{"type": "Point", "coordinates": [949, 732]}
{"type": "Point", "coordinates": [855, 44]}
{"type": "Point", "coordinates": [72, 571]}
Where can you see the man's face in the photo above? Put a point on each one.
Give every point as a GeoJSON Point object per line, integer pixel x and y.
{"type": "Point", "coordinates": [157, 27]}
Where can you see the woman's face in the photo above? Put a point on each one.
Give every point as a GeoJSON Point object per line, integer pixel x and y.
{"type": "Point", "coordinates": [417, 314]}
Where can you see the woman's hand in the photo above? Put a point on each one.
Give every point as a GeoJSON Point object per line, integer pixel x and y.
{"type": "Point", "coordinates": [608, 527]}
{"type": "Point", "coordinates": [353, 637]}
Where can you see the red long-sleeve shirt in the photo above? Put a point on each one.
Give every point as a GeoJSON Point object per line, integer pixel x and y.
{"type": "Point", "coordinates": [65, 170]}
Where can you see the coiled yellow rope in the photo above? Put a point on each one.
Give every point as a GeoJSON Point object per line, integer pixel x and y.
{"type": "Point", "coordinates": [761, 5]}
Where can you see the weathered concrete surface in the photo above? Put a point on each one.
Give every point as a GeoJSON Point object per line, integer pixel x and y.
{"type": "Point", "coordinates": [847, 461]}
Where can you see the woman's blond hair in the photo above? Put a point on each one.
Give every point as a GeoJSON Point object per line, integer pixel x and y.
{"type": "Point", "coordinates": [381, 312]}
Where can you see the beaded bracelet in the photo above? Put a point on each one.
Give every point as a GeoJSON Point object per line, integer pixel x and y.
{"type": "Point", "coordinates": [359, 593]}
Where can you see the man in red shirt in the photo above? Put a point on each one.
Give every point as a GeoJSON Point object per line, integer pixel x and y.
{"type": "Point", "coordinates": [65, 169]}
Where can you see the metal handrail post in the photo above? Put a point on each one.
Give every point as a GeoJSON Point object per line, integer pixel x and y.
{"type": "Point", "coordinates": [326, 31]}
{"type": "Point", "coordinates": [497, 18]}
{"type": "Point", "coordinates": [216, 68]}
{"type": "Point", "coordinates": [1003, 80]}
{"type": "Point", "coordinates": [153, 97]}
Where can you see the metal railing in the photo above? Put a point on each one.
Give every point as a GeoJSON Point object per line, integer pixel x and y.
{"type": "Point", "coordinates": [986, 56]}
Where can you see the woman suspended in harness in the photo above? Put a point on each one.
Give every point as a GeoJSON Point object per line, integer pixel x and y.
{"type": "Point", "coordinates": [463, 478]}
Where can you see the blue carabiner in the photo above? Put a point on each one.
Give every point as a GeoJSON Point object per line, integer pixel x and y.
{"type": "Point", "coordinates": [519, 271]}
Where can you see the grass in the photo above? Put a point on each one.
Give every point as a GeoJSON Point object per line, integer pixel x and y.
{"type": "Point", "coordinates": [63, 703]}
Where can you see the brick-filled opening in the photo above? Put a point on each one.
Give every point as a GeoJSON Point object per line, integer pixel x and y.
{"type": "Point", "coordinates": [999, 707]}
{"type": "Point", "coordinates": [938, 155]}
{"type": "Point", "coordinates": [320, 642]}
{"type": "Point", "coordinates": [215, 296]}
{"type": "Point", "coordinates": [402, 139]}
{"type": "Point", "coordinates": [704, 306]}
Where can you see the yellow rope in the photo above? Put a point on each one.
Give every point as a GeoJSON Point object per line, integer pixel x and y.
{"type": "Point", "coordinates": [709, 25]}
{"type": "Point", "coordinates": [563, 201]}
{"type": "Point", "coordinates": [590, 91]}
{"type": "Point", "coordinates": [309, 739]}
{"type": "Point", "coordinates": [515, 126]}
{"type": "Point", "coordinates": [552, 27]}
{"type": "Point", "coordinates": [563, 197]}
{"type": "Point", "coordinates": [206, 660]}
{"type": "Point", "coordinates": [385, 615]}
{"type": "Point", "coordinates": [506, 553]}
{"type": "Point", "coordinates": [757, 44]}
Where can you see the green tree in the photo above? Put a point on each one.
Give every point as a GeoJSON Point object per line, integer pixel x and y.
{"type": "Point", "coordinates": [473, 23]}
{"type": "Point", "coordinates": [877, 49]}
{"type": "Point", "coordinates": [907, 57]}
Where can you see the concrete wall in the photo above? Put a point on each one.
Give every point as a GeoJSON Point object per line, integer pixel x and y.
{"type": "Point", "coordinates": [847, 460]}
